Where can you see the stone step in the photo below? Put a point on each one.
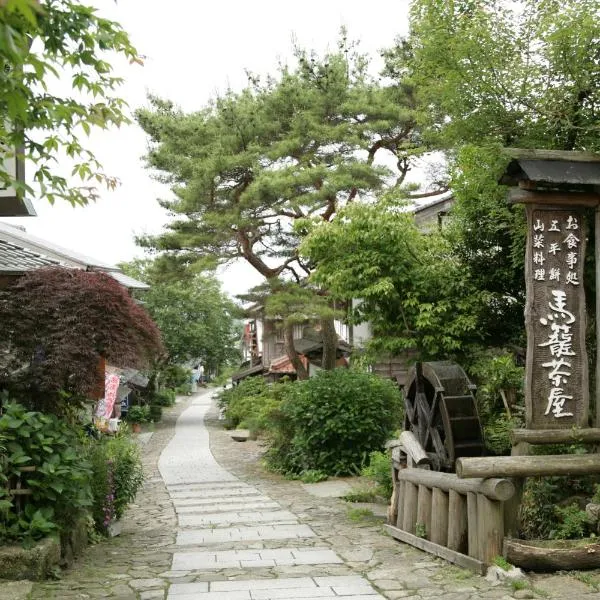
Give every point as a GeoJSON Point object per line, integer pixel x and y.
{"type": "Point", "coordinates": [354, 587]}
{"type": "Point", "coordinates": [225, 508]}
{"type": "Point", "coordinates": [200, 561]}
{"type": "Point", "coordinates": [237, 518]}
{"type": "Point", "coordinates": [213, 492]}
{"type": "Point", "coordinates": [207, 484]}
{"type": "Point", "coordinates": [219, 500]}
{"type": "Point", "coordinates": [220, 535]}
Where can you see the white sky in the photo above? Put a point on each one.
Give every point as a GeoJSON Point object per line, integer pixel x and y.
{"type": "Point", "coordinates": [194, 49]}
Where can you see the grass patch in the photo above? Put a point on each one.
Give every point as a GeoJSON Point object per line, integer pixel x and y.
{"type": "Point", "coordinates": [361, 495]}
{"type": "Point", "coordinates": [519, 584]}
{"type": "Point", "coordinates": [501, 562]}
{"type": "Point", "coordinates": [360, 514]}
{"type": "Point", "coordinates": [587, 578]}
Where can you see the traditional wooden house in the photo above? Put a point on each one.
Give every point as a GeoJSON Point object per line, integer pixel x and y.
{"type": "Point", "coordinates": [21, 252]}
{"type": "Point", "coordinates": [263, 350]}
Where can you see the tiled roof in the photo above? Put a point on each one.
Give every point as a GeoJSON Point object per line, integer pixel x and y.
{"type": "Point", "coordinates": [17, 255]}
{"type": "Point", "coordinates": [14, 258]}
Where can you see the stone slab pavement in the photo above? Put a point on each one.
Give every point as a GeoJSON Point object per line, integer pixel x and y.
{"type": "Point", "coordinates": [211, 524]}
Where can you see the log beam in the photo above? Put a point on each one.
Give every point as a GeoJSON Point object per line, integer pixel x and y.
{"type": "Point", "coordinates": [527, 466]}
{"type": "Point", "coordinates": [496, 489]}
{"type": "Point", "coordinates": [555, 436]}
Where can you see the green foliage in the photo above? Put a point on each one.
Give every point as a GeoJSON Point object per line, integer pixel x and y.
{"type": "Point", "coordinates": [523, 73]}
{"type": "Point", "coordinates": [174, 376]}
{"type": "Point", "coordinates": [117, 476]}
{"type": "Point", "coordinates": [420, 530]}
{"type": "Point", "coordinates": [155, 413]}
{"type": "Point", "coordinates": [357, 515]}
{"type": "Point", "coordinates": [361, 495]}
{"type": "Point", "coordinates": [501, 562]}
{"type": "Point", "coordinates": [412, 287]}
{"type": "Point", "coordinates": [498, 374]}
{"type": "Point", "coordinates": [39, 43]}
{"type": "Point", "coordinates": [138, 414]}
{"type": "Point", "coordinates": [331, 422]}
{"type": "Point", "coordinates": [59, 484]}
{"type": "Point", "coordinates": [313, 476]}
{"type": "Point", "coordinates": [574, 523]}
{"type": "Point", "coordinates": [380, 470]}
{"type": "Point", "coordinates": [251, 404]}
{"type": "Point", "coordinates": [164, 397]}
{"type": "Point", "coordinates": [196, 319]}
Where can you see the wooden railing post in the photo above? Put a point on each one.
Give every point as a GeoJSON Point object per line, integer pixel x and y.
{"type": "Point", "coordinates": [439, 517]}
{"type": "Point", "coordinates": [424, 510]}
{"type": "Point", "coordinates": [457, 522]}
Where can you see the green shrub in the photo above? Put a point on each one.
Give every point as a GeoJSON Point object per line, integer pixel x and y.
{"type": "Point", "coordinates": [574, 523]}
{"type": "Point", "coordinates": [380, 470]}
{"type": "Point", "coordinates": [155, 413]}
{"type": "Point", "coordinates": [331, 422]}
{"type": "Point", "coordinates": [138, 414]}
{"type": "Point", "coordinates": [164, 397]}
{"type": "Point", "coordinates": [251, 404]}
{"type": "Point", "coordinates": [60, 483]}
{"type": "Point", "coordinates": [174, 376]}
{"type": "Point", "coordinates": [117, 476]}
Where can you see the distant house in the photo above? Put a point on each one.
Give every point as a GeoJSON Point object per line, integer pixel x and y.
{"type": "Point", "coordinates": [21, 252]}
{"type": "Point", "coordinates": [263, 347]}
{"type": "Point", "coordinates": [263, 344]}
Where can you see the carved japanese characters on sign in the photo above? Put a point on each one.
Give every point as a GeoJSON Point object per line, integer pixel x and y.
{"type": "Point", "coordinates": [557, 377]}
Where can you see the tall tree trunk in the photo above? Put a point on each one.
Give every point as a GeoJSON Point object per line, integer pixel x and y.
{"type": "Point", "coordinates": [288, 337]}
{"type": "Point", "coordinates": [330, 341]}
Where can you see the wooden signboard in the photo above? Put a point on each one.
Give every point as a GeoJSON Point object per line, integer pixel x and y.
{"type": "Point", "coordinates": [556, 377]}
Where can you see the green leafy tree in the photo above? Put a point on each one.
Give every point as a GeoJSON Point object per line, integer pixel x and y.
{"type": "Point", "coordinates": [489, 75]}
{"type": "Point", "coordinates": [412, 289]}
{"type": "Point", "coordinates": [252, 168]}
{"type": "Point", "coordinates": [523, 73]}
{"type": "Point", "coordinates": [41, 42]}
{"type": "Point", "coordinates": [196, 319]}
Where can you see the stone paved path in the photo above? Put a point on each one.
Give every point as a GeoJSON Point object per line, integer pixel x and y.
{"type": "Point", "coordinates": [214, 508]}
{"type": "Point", "coordinates": [211, 524]}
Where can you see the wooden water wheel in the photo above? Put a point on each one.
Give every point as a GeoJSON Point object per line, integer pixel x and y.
{"type": "Point", "coordinates": [441, 411]}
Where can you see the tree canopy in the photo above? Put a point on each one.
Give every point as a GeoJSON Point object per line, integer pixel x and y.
{"type": "Point", "coordinates": [196, 318]}
{"type": "Point", "coordinates": [523, 73]}
{"type": "Point", "coordinates": [41, 42]}
{"type": "Point", "coordinates": [56, 324]}
{"type": "Point", "coordinates": [295, 146]}
{"type": "Point", "coordinates": [252, 169]}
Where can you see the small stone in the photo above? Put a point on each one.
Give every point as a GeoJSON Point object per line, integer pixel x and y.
{"type": "Point", "coordinates": [497, 574]}
{"type": "Point", "coordinates": [146, 584]}
{"type": "Point", "coordinates": [153, 595]}
{"type": "Point", "coordinates": [523, 594]}
{"type": "Point", "coordinates": [593, 512]}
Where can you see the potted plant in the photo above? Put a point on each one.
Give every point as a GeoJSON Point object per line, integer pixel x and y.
{"type": "Point", "coordinates": [136, 415]}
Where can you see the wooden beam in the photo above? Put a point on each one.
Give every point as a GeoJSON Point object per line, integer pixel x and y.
{"type": "Point", "coordinates": [490, 528]}
{"type": "Point", "coordinates": [413, 448]}
{"type": "Point", "coordinates": [496, 489]}
{"type": "Point", "coordinates": [409, 513]}
{"type": "Point", "coordinates": [597, 257]}
{"type": "Point", "coordinates": [450, 555]}
{"type": "Point", "coordinates": [556, 436]}
{"type": "Point", "coordinates": [528, 466]}
{"type": "Point", "coordinates": [557, 199]}
{"type": "Point", "coordinates": [439, 517]}
{"type": "Point", "coordinates": [472, 525]}
{"type": "Point", "coordinates": [457, 522]}
{"type": "Point", "coordinates": [424, 509]}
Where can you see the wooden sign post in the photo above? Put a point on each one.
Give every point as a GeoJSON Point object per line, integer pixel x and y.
{"type": "Point", "coordinates": [556, 188]}
{"type": "Point", "coordinates": [556, 379]}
